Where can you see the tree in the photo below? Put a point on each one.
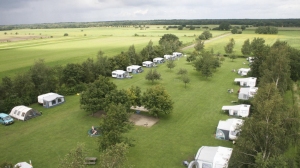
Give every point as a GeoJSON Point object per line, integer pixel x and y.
{"type": "Point", "coordinates": [134, 93]}
{"type": "Point", "coordinates": [133, 56]}
{"type": "Point", "coordinates": [118, 97]}
{"type": "Point", "coordinates": [205, 35]}
{"type": "Point", "coordinates": [152, 75]}
{"type": "Point", "coordinates": [224, 26]}
{"type": "Point", "coordinates": [276, 68]}
{"type": "Point", "coordinates": [232, 57]}
{"type": "Point", "coordinates": [182, 71]}
{"type": "Point", "coordinates": [259, 50]}
{"type": "Point", "coordinates": [295, 63]}
{"type": "Point", "coordinates": [157, 101]}
{"type": "Point", "coordinates": [102, 65]}
{"type": "Point", "coordinates": [206, 64]}
{"type": "Point", "coordinates": [192, 57]}
{"type": "Point", "coordinates": [185, 80]}
{"type": "Point", "coordinates": [264, 134]}
{"type": "Point", "coordinates": [93, 98]}
{"type": "Point", "coordinates": [234, 30]}
{"type": "Point", "coordinates": [147, 51]}
{"type": "Point", "coordinates": [114, 156]}
{"type": "Point", "coordinates": [66, 34]}
{"type": "Point", "coordinates": [72, 74]}
{"type": "Point", "coordinates": [75, 158]}
{"type": "Point", "coordinates": [243, 27]}
{"type": "Point", "coordinates": [171, 64]}
{"type": "Point", "coordinates": [246, 48]}
{"type": "Point", "coordinates": [199, 45]}
{"type": "Point", "coordinates": [229, 47]}
{"type": "Point", "coordinates": [169, 43]}
{"type": "Point", "coordinates": [113, 126]}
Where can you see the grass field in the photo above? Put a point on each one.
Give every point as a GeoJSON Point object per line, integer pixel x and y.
{"type": "Point", "coordinates": [174, 138]}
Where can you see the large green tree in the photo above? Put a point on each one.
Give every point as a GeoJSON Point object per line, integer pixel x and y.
{"type": "Point", "coordinates": [157, 101]}
{"type": "Point", "coordinates": [199, 45]}
{"type": "Point", "coordinates": [229, 46]}
{"type": "Point", "coordinates": [93, 98]}
{"type": "Point", "coordinates": [276, 67]}
{"type": "Point", "coordinates": [113, 126]}
{"type": "Point", "coordinates": [114, 156]}
{"type": "Point", "coordinates": [75, 158]}
{"type": "Point", "coordinates": [135, 95]}
{"type": "Point", "coordinates": [170, 64]}
{"type": "Point", "coordinates": [224, 26]}
{"type": "Point", "coordinates": [206, 64]}
{"type": "Point", "coordinates": [246, 48]}
{"type": "Point", "coordinates": [263, 136]}
{"type": "Point", "coordinates": [118, 97]}
{"type": "Point", "coordinates": [169, 43]}
{"type": "Point", "coordinates": [72, 74]}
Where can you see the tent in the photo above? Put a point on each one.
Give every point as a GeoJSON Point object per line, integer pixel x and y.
{"type": "Point", "coordinates": [169, 57]}
{"type": "Point", "coordinates": [41, 97]}
{"type": "Point", "coordinates": [148, 64]}
{"type": "Point", "coordinates": [243, 71]}
{"type": "Point", "coordinates": [241, 110]}
{"type": "Point", "coordinates": [120, 74]}
{"type": "Point", "coordinates": [134, 69]}
{"type": "Point", "coordinates": [247, 93]}
{"type": "Point", "coordinates": [212, 157]}
{"type": "Point", "coordinates": [247, 82]}
{"type": "Point", "coordinates": [53, 100]}
{"type": "Point", "coordinates": [229, 129]}
{"type": "Point", "coordinates": [158, 60]}
{"type": "Point", "coordinates": [24, 113]}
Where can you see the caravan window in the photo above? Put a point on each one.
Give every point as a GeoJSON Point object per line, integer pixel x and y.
{"type": "Point", "coordinates": [53, 102]}
{"type": "Point", "coordinates": [59, 100]}
{"type": "Point", "coordinates": [15, 112]}
{"type": "Point", "coordinates": [19, 113]}
{"type": "Point", "coordinates": [23, 114]}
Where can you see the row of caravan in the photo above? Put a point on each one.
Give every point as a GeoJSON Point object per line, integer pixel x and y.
{"type": "Point", "coordinates": [135, 69]}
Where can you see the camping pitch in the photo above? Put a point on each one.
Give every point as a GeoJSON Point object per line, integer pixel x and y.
{"type": "Point", "coordinates": [229, 129]}
{"type": "Point", "coordinates": [24, 113]}
{"type": "Point", "coordinates": [246, 82]}
{"type": "Point", "coordinates": [211, 157]}
{"type": "Point", "coordinates": [241, 110]}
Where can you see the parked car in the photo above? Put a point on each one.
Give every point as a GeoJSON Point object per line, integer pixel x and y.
{"type": "Point", "coordinates": [5, 119]}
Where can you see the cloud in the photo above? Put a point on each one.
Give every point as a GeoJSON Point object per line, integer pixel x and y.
{"type": "Point", "coordinates": [45, 11]}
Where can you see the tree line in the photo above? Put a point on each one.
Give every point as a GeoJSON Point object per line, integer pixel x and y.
{"type": "Point", "coordinates": [273, 127]}
{"type": "Point", "coordinates": [136, 23]}
{"type": "Point", "coordinates": [74, 77]}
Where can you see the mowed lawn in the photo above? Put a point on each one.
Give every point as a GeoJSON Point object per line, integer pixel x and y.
{"type": "Point", "coordinates": [177, 137]}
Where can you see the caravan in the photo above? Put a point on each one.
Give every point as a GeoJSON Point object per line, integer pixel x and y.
{"type": "Point", "coordinates": [229, 129]}
{"type": "Point", "coordinates": [120, 74]}
{"type": "Point", "coordinates": [134, 69]}
{"type": "Point", "coordinates": [241, 110]}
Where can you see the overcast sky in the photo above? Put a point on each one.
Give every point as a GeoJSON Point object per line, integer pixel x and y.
{"type": "Point", "coordinates": [50, 11]}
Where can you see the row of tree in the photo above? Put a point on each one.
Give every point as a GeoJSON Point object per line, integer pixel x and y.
{"type": "Point", "coordinates": [274, 125]}
{"type": "Point", "coordinates": [266, 30]}
{"type": "Point", "coordinates": [72, 78]}
{"type": "Point", "coordinates": [138, 23]}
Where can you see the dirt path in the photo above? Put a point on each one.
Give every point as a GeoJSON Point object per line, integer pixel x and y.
{"type": "Point", "coordinates": [207, 41]}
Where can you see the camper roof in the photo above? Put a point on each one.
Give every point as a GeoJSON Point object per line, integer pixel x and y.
{"type": "Point", "coordinates": [219, 156]}
{"type": "Point", "coordinates": [52, 97]}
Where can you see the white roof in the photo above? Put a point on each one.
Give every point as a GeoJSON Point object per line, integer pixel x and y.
{"type": "Point", "coordinates": [249, 90]}
{"type": "Point", "coordinates": [52, 97]}
{"type": "Point", "coordinates": [237, 107]}
{"type": "Point", "coordinates": [218, 156]}
{"type": "Point", "coordinates": [245, 79]}
{"type": "Point", "coordinates": [230, 124]}
{"type": "Point", "coordinates": [158, 58]}
{"type": "Point", "coordinates": [244, 69]}
{"type": "Point", "coordinates": [41, 97]}
{"type": "Point", "coordinates": [134, 66]}
{"type": "Point", "coordinates": [17, 112]}
{"type": "Point", "coordinates": [147, 62]}
{"type": "Point", "coordinates": [119, 71]}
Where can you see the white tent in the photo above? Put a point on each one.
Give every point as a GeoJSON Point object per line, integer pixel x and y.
{"type": "Point", "coordinates": [248, 82]}
{"type": "Point", "coordinates": [229, 129]}
{"type": "Point", "coordinates": [23, 113]}
{"type": "Point", "coordinates": [119, 74]}
{"type": "Point", "coordinates": [247, 93]}
{"type": "Point", "coordinates": [212, 157]}
{"type": "Point", "coordinates": [241, 110]}
{"type": "Point", "coordinates": [243, 71]}
{"type": "Point", "coordinates": [148, 64]}
{"type": "Point", "coordinates": [134, 69]}
{"type": "Point", "coordinates": [169, 57]}
{"type": "Point", "coordinates": [52, 99]}
{"type": "Point", "coordinates": [158, 60]}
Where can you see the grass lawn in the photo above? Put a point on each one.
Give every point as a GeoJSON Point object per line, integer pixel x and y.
{"type": "Point", "coordinates": [174, 138]}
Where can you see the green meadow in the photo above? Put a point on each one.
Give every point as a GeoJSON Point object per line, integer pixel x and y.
{"type": "Point", "coordinates": [175, 138]}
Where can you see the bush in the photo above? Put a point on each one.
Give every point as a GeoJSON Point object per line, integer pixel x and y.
{"type": "Point", "coordinates": [66, 34]}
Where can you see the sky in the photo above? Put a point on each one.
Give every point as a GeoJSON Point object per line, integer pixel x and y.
{"type": "Point", "coordinates": [53, 11]}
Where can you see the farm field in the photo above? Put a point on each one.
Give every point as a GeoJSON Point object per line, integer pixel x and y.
{"type": "Point", "coordinates": [175, 138]}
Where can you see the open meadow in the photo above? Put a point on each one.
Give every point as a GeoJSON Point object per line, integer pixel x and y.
{"type": "Point", "coordinates": [174, 138]}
